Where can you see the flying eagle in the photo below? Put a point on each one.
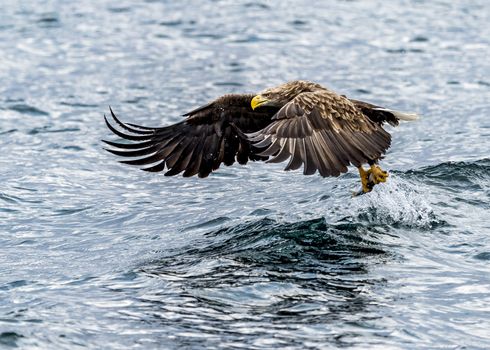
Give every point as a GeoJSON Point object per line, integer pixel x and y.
{"type": "Point", "coordinates": [299, 121]}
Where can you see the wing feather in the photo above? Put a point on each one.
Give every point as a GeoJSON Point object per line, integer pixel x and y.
{"type": "Point", "coordinates": [162, 154]}
{"type": "Point", "coordinates": [126, 136]}
{"type": "Point", "coordinates": [183, 161]}
{"type": "Point", "coordinates": [210, 135]}
{"type": "Point", "coordinates": [296, 161]}
{"type": "Point", "coordinates": [129, 145]}
{"type": "Point", "coordinates": [324, 132]}
{"type": "Point", "coordinates": [283, 153]}
{"type": "Point", "coordinates": [195, 161]}
{"type": "Point", "coordinates": [155, 168]}
{"type": "Point", "coordinates": [136, 153]}
{"type": "Point", "coordinates": [327, 155]}
{"type": "Point", "coordinates": [128, 128]}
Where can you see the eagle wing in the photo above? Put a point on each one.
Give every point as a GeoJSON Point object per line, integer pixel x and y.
{"type": "Point", "coordinates": [210, 135]}
{"type": "Point", "coordinates": [324, 131]}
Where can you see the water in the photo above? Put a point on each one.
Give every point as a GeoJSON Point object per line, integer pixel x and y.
{"type": "Point", "coordinates": [95, 254]}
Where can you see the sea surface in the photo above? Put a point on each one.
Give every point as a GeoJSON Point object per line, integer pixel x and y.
{"type": "Point", "coordinates": [95, 254]}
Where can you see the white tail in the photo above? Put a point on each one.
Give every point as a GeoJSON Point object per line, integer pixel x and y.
{"type": "Point", "coordinates": [401, 115]}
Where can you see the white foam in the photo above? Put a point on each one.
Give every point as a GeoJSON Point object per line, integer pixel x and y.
{"type": "Point", "coordinates": [398, 201]}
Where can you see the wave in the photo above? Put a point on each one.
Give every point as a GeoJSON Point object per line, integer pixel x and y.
{"type": "Point", "coordinates": [311, 245]}
{"type": "Point", "coordinates": [265, 266]}
{"type": "Point", "coordinates": [466, 175]}
{"type": "Point", "coordinates": [10, 339]}
{"type": "Point", "coordinates": [303, 236]}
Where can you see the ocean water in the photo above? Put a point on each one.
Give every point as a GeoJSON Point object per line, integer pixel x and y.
{"type": "Point", "coordinates": [95, 254]}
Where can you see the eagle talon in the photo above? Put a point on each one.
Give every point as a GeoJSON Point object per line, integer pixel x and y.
{"type": "Point", "coordinates": [366, 179]}
{"type": "Point", "coordinates": [378, 174]}
{"type": "Point", "coordinates": [371, 177]}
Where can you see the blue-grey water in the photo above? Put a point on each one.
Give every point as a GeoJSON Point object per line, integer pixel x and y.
{"type": "Point", "coordinates": [95, 254]}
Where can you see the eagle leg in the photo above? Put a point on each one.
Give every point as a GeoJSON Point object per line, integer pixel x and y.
{"type": "Point", "coordinates": [378, 174]}
{"type": "Point", "coordinates": [366, 179]}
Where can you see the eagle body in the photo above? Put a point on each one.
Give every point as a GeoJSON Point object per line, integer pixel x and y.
{"type": "Point", "coordinates": [300, 122]}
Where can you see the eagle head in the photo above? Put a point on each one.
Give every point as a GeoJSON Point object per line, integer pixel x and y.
{"type": "Point", "coordinates": [280, 95]}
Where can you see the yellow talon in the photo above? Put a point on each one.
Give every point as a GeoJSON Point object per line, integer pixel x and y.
{"type": "Point", "coordinates": [371, 177]}
{"type": "Point", "coordinates": [367, 184]}
{"type": "Point", "coordinates": [379, 175]}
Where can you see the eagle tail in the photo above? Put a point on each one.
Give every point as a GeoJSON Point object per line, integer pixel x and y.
{"type": "Point", "coordinates": [400, 115]}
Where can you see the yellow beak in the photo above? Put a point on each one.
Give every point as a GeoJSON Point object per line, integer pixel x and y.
{"type": "Point", "coordinates": [258, 100]}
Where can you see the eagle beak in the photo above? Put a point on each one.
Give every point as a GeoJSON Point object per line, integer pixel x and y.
{"type": "Point", "coordinates": [258, 101]}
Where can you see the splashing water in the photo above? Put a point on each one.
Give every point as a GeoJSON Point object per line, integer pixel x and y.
{"type": "Point", "coordinates": [397, 202]}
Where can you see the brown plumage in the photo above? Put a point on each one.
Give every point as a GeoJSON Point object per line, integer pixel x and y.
{"type": "Point", "coordinates": [299, 121]}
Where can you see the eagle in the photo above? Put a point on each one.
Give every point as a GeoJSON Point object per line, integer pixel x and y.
{"type": "Point", "coordinates": [300, 121]}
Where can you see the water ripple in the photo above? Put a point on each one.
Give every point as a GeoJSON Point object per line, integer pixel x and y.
{"type": "Point", "coordinates": [27, 109]}
{"type": "Point", "coordinates": [102, 256]}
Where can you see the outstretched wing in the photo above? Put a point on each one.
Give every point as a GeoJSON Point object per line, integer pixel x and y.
{"type": "Point", "coordinates": [324, 131]}
{"type": "Point", "coordinates": [210, 135]}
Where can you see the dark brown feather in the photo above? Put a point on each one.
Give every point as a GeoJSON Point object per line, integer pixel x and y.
{"type": "Point", "coordinates": [210, 135]}
{"type": "Point", "coordinates": [296, 161]}
{"type": "Point", "coordinates": [195, 161]}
